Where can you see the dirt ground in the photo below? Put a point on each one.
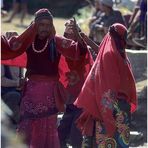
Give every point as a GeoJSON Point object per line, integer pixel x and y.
{"type": "Point", "coordinates": [15, 24]}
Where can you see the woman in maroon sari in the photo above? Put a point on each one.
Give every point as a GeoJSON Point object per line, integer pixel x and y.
{"type": "Point", "coordinates": [108, 95]}
{"type": "Point", "coordinates": [44, 95]}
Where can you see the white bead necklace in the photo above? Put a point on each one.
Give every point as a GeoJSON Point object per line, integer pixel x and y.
{"type": "Point", "coordinates": [42, 50]}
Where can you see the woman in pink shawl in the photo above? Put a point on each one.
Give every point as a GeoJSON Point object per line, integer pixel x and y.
{"type": "Point", "coordinates": [44, 95]}
{"type": "Point", "coordinates": [108, 96]}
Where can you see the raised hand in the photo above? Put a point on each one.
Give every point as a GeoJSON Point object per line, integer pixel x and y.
{"type": "Point", "coordinates": [11, 34]}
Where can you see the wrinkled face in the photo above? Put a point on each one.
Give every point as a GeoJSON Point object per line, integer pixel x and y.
{"type": "Point", "coordinates": [45, 28]}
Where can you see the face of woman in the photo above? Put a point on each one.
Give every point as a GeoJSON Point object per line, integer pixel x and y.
{"type": "Point", "coordinates": [45, 27]}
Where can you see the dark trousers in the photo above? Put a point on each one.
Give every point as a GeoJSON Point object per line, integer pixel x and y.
{"type": "Point", "coordinates": [67, 130]}
{"type": "Point", "coordinates": [12, 99]}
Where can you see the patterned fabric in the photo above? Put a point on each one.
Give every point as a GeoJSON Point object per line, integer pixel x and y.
{"type": "Point", "coordinates": [38, 115]}
{"type": "Point", "coordinates": [38, 100]}
{"type": "Point", "coordinates": [121, 113]}
{"type": "Point", "coordinates": [18, 45]}
{"type": "Point", "coordinates": [121, 136]}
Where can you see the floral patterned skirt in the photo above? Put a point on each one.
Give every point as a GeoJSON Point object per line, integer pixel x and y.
{"type": "Point", "coordinates": [38, 115]}
{"type": "Point", "coordinates": [121, 137]}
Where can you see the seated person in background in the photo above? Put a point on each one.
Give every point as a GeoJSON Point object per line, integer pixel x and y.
{"type": "Point", "coordinates": [11, 85]}
{"type": "Point", "coordinates": [96, 15]}
{"type": "Point", "coordinates": [10, 92]}
{"type": "Point", "coordinates": [133, 25]}
{"type": "Point", "coordinates": [142, 41]}
{"type": "Point", "coordinates": [111, 16]}
{"type": "Point", "coordinates": [137, 28]}
{"type": "Point", "coordinates": [134, 15]}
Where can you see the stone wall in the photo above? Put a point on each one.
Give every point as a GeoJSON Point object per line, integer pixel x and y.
{"type": "Point", "coordinates": [138, 61]}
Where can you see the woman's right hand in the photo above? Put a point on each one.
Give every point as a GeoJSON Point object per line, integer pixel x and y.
{"type": "Point", "coordinates": [10, 34]}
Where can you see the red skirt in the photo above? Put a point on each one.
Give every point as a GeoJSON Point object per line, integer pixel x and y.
{"type": "Point", "coordinates": [38, 112]}
{"type": "Point", "coordinates": [40, 133]}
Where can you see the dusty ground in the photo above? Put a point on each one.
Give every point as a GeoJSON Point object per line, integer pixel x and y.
{"type": "Point", "coordinates": [139, 118]}
{"type": "Point", "coordinates": [15, 24]}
